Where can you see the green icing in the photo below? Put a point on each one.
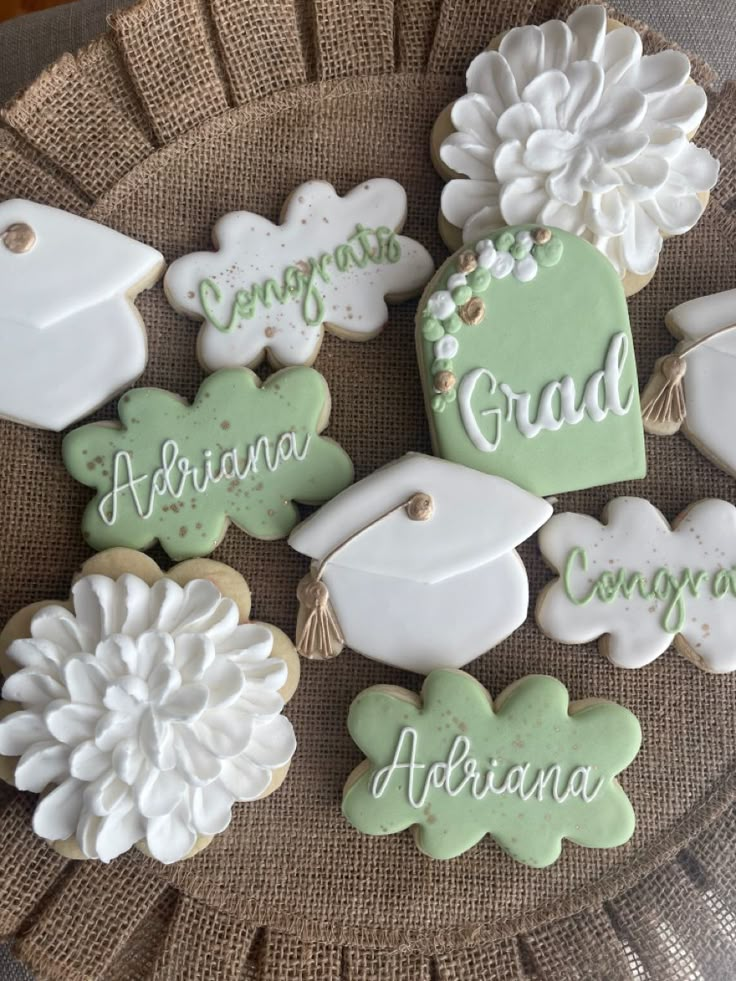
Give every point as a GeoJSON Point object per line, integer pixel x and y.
{"type": "Point", "coordinates": [546, 390]}
{"type": "Point", "coordinates": [529, 771]}
{"type": "Point", "coordinates": [671, 588]}
{"type": "Point", "coordinates": [301, 282]}
{"type": "Point", "coordinates": [175, 473]}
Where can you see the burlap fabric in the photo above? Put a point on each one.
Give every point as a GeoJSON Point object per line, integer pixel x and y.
{"type": "Point", "coordinates": [184, 111]}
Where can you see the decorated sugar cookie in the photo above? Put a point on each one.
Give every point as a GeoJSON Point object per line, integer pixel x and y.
{"type": "Point", "coordinates": [529, 769]}
{"type": "Point", "coordinates": [70, 336]}
{"type": "Point", "coordinates": [179, 474]}
{"type": "Point", "coordinates": [637, 585]}
{"type": "Point", "coordinates": [415, 565]}
{"type": "Point", "coordinates": [694, 388]}
{"type": "Point", "coordinates": [272, 289]}
{"type": "Point", "coordinates": [527, 363]}
{"type": "Point", "coordinates": [144, 707]}
{"type": "Point", "coordinates": [570, 125]}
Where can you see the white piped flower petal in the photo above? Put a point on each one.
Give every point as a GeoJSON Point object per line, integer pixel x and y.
{"type": "Point", "coordinates": [211, 809]}
{"type": "Point", "coordinates": [660, 72]}
{"type": "Point", "coordinates": [546, 93]}
{"type": "Point", "coordinates": [88, 762]}
{"type": "Point", "coordinates": [117, 832]}
{"type": "Point", "coordinates": [490, 75]}
{"type": "Point", "coordinates": [42, 764]}
{"type": "Point", "coordinates": [588, 25]}
{"type": "Point", "coordinates": [622, 49]}
{"type": "Point", "coordinates": [32, 688]}
{"type": "Point", "coordinates": [245, 779]}
{"type": "Point", "coordinates": [472, 115]}
{"type": "Point", "coordinates": [57, 814]}
{"type": "Point", "coordinates": [272, 743]}
{"type": "Point", "coordinates": [465, 155]}
{"type": "Point", "coordinates": [158, 793]}
{"type": "Point", "coordinates": [461, 199]}
{"type": "Point", "coordinates": [225, 733]}
{"type": "Point", "coordinates": [71, 723]}
{"type": "Point", "coordinates": [172, 837]}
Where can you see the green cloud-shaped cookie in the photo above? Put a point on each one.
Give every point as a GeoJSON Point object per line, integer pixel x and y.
{"type": "Point", "coordinates": [178, 473]}
{"type": "Point", "coordinates": [529, 770]}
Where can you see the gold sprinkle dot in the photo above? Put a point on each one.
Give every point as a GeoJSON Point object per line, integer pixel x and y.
{"type": "Point", "coordinates": [420, 507]}
{"type": "Point", "coordinates": [542, 235]}
{"type": "Point", "coordinates": [444, 381]}
{"type": "Point", "coordinates": [473, 311]}
{"type": "Point", "coordinates": [19, 238]}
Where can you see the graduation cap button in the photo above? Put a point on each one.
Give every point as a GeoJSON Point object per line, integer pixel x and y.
{"type": "Point", "coordinates": [19, 238]}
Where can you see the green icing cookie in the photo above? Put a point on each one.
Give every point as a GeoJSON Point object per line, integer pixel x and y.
{"type": "Point", "coordinates": [178, 473]}
{"type": "Point", "coordinates": [527, 363]}
{"type": "Point", "coordinates": [529, 770]}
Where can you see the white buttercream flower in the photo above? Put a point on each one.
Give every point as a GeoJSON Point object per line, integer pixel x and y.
{"type": "Point", "coordinates": [149, 709]}
{"type": "Point", "coordinates": [569, 126]}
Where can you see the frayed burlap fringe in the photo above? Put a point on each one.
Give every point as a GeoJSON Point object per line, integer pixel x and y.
{"type": "Point", "coordinates": [190, 108]}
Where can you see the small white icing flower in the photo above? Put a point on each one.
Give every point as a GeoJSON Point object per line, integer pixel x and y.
{"type": "Point", "coordinates": [570, 126]}
{"type": "Point", "coordinates": [149, 709]}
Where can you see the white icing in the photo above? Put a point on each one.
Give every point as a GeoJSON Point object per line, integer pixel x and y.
{"type": "Point", "coordinates": [178, 475]}
{"type": "Point", "coordinates": [70, 337]}
{"type": "Point", "coordinates": [151, 709]}
{"type": "Point", "coordinates": [392, 586]}
{"type": "Point", "coordinates": [253, 250]}
{"type": "Point", "coordinates": [570, 126]}
{"type": "Point", "coordinates": [709, 383]}
{"type": "Point", "coordinates": [557, 403]}
{"type": "Point", "coordinates": [461, 773]}
{"type": "Point", "coordinates": [446, 347]}
{"type": "Point", "coordinates": [675, 581]}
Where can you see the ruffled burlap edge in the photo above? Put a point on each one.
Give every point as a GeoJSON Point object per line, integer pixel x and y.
{"type": "Point", "coordinates": [669, 914]}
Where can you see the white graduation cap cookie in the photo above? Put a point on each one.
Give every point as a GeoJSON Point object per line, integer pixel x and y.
{"type": "Point", "coordinates": [416, 565]}
{"type": "Point", "coordinates": [70, 337]}
{"type": "Point", "coordinates": [694, 388]}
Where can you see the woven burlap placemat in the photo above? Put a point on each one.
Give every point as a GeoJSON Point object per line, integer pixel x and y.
{"type": "Point", "coordinates": [186, 110]}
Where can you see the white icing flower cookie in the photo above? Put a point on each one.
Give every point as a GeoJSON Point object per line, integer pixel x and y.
{"type": "Point", "coordinates": [416, 565]}
{"type": "Point", "coordinates": [70, 336]}
{"type": "Point", "coordinates": [145, 707]}
{"type": "Point", "coordinates": [270, 290]}
{"type": "Point", "coordinates": [570, 125]}
{"type": "Point", "coordinates": [694, 388]}
{"type": "Point", "coordinates": [637, 585]}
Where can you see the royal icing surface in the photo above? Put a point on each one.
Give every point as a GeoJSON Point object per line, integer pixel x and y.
{"type": "Point", "coordinates": [272, 288]}
{"type": "Point", "coordinates": [639, 585]}
{"type": "Point", "coordinates": [429, 592]}
{"type": "Point", "coordinates": [539, 383]}
{"type": "Point", "coordinates": [571, 125]}
{"type": "Point", "coordinates": [70, 337]}
{"type": "Point", "coordinates": [146, 712]}
{"type": "Point", "coordinates": [695, 387]}
{"type": "Point", "coordinates": [177, 473]}
{"type": "Point", "coordinates": [529, 770]}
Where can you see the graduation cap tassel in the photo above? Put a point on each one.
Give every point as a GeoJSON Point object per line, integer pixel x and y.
{"type": "Point", "coordinates": [319, 636]}
{"type": "Point", "coordinates": [663, 403]}
{"type": "Point", "coordinates": [663, 408]}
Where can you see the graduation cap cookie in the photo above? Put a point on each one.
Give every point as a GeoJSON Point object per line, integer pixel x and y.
{"type": "Point", "coordinates": [693, 388]}
{"type": "Point", "coordinates": [527, 362]}
{"type": "Point", "coordinates": [416, 565]}
{"type": "Point", "coordinates": [70, 337]}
